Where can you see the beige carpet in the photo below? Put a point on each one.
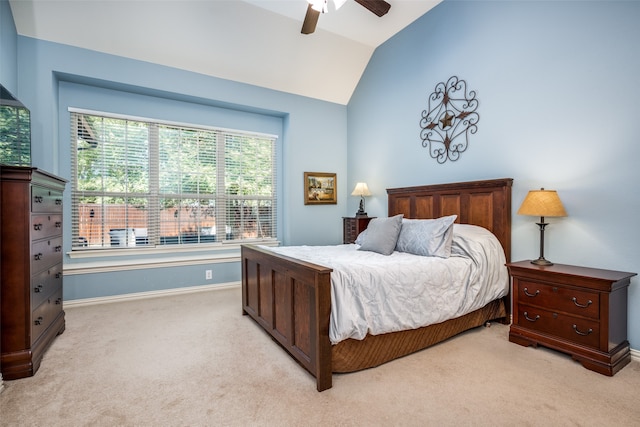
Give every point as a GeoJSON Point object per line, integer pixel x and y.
{"type": "Point", "coordinates": [194, 360]}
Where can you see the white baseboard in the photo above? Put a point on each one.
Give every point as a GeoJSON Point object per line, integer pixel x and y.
{"type": "Point", "coordinates": [635, 355]}
{"type": "Point", "coordinates": [149, 294]}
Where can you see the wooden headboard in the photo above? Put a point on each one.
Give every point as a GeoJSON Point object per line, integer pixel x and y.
{"type": "Point", "coordinates": [484, 203]}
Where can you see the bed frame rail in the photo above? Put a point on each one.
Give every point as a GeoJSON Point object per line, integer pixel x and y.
{"type": "Point", "coordinates": [291, 300]}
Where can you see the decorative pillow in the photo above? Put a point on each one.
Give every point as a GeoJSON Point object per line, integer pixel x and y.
{"type": "Point", "coordinates": [427, 237]}
{"type": "Point", "coordinates": [381, 235]}
{"type": "Point", "coordinates": [361, 237]}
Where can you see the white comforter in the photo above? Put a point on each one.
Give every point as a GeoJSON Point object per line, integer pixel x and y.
{"type": "Point", "coordinates": [376, 294]}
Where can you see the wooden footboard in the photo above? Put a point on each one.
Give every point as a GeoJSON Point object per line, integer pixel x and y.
{"type": "Point", "coordinates": [291, 300]}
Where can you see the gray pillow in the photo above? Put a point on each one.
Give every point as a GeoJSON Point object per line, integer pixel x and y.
{"type": "Point", "coordinates": [427, 237]}
{"type": "Point", "coordinates": [381, 235]}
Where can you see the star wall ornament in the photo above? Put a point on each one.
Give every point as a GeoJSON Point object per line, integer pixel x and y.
{"type": "Point", "coordinates": [451, 114]}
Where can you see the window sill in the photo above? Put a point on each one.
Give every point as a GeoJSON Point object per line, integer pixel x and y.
{"type": "Point", "coordinates": [111, 260]}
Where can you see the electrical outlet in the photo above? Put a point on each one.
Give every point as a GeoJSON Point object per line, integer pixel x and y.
{"type": "Point", "coordinates": [208, 274]}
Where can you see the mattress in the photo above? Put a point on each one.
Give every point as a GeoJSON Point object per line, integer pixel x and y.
{"type": "Point", "coordinates": [376, 294]}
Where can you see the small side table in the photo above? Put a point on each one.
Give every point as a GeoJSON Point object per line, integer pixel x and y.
{"type": "Point", "coordinates": [577, 310]}
{"type": "Point", "coordinates": [352, 226]}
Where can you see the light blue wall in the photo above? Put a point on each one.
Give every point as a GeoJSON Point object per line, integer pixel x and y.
{"type": "Point", "coordinates": [54, 77]}
{"type": "Point", "coordinates": [558, 89]}
{"type": "Point", "coordinates": [8, 49]}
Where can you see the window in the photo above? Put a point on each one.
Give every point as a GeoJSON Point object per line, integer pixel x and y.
{"type": "Point", "coordinates": [139, 183]}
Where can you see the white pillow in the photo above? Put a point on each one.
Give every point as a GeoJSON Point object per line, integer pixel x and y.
{"type": "Point", "coordinates": [381, 235]}
{"type": "Point", "coordinates": [427, 237]}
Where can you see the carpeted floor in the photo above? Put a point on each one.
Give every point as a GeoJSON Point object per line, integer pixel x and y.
{"type": "Point", "coordinates": [194, 360]}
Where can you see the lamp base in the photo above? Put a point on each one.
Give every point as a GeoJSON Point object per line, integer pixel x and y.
{"type": "Point", "coordinates": [541, 261]}
{"type": "Point", "coordinates": [361, 213]}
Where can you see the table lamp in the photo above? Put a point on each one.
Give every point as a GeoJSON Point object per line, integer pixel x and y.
{"type": "Point", "coordinates": [542, 203]}
{"type": "Point", "coordinates": [361, 190]}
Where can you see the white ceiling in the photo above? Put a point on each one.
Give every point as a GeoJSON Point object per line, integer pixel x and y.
{"type": "Point", "coordinates": [251, 41]}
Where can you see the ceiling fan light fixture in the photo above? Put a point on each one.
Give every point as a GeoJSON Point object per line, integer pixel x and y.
{"type": "Point", "coordinates": [316, 7]}
{"type": "Point", "coordinates": [339, 3]}
{"type": "Point", "coordinates": [319, 5]}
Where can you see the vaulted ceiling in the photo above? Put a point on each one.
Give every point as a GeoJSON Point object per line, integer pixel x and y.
{"type": "Point", "coordinates": [251, 41]}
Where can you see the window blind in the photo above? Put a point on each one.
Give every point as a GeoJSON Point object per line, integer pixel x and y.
{"type": "Point", "coordinates": [139, 183]}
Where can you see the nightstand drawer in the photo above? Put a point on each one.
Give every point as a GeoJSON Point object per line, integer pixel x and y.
{"type": "Point", "coordinates": [568, 300]}
{"type": "Point", "coordinates": [353, 226]}
{"type": "Point", "coordinates": [571, 328]}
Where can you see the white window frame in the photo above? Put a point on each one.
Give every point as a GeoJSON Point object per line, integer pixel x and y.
{"type": "Point", "coordinates": [221, 197]}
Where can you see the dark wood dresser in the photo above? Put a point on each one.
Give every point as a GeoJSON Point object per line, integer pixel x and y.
{"type": "Point", "coordinates": [31, 273]}
{"type": "Point", "coordinates": [577, 310]}
{"type": "Point", "coordinates": [352, 226]}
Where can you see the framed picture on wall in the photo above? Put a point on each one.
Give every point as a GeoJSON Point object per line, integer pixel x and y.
{"type": "Point", "coordinates": [320, 188]}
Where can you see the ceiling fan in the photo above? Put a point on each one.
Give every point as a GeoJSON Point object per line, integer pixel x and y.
{"type": "Point", "coordinates": [316, 7]}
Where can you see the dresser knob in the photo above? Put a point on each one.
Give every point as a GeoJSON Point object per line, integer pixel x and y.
{"type": "Point", "coordinates": [38, 288]}
{"type": "Point", "coordinates": [37, 227]}
{"type": "Point", "coordinates": [526, 292]}
{"type": "Point", "coordinates": [38, 321]}
{"type": "Point", "coordinates": [530, 319]}
{"type": "Point", "coordinates": [575, 328]}
{"type": "Point", "coordinates": [575, 301]}
{"type": "Point", "coordinates": [37, 257]}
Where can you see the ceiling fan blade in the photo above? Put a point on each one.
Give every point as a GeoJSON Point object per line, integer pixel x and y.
{"type": "Point", "coordinates": [310, 20]}
{"type": "Point", "coordinates": [379, 7]}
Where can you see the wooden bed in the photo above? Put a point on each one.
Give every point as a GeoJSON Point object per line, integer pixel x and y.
{"type": "Point", "coordinates": [291, 299]}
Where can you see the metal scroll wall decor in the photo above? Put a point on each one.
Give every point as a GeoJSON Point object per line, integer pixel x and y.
{"type": "Point", "coordinates": [449, 120]}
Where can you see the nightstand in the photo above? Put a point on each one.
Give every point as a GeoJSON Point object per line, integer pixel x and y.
{"type": "Point", "coordinates": [576, 310]}
{"type": "Point", "coordinates": [352, 226]}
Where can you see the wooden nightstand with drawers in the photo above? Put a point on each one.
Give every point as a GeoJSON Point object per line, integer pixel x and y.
{"type": "Point", "coordinates": [352, 226]}
{"type": "Point", "coordinates": [577, 310]}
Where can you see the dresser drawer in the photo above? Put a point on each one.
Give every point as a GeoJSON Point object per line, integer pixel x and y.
{"type": "Point", "coordinates": [45, 200]}
{"type": "Point", "coordinates": [44, 315]}
{"type": "Point", "coordinates": [45, 283]}
{"type": "Point", "coordinates": [43, 226]}
{"type": "Point", "coordinates": [45, 253]}
{"type": "Point", "coordinates": [568, 300]}
{"type": "Point", "coordinates": [571, 328]}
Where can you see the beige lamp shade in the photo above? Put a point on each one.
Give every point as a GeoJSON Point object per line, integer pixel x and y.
{"type": "Point", "coordinates": [542, 203]}
{"type": "Point", "coordinates": [361, 190]}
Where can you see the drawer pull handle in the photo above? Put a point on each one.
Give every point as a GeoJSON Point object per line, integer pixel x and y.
{"type": "Point", "coordinates": [38, 288]}
{"type": "Point", "coordinates": [37, 199]}
{"type": "Point", "coordinates": [58, 202]}
{"type": "Point", "coordinates": [37, 227]}
{"type": "Point", "coordinates": [526, 316]}
{"type": "Point", "coordinates": [38, 321]}
{"type": "Point", "coordinates": [526, 292]}
{"type": "Point", "coordinates": [575, 301]}
{"type": "Point", "coordinates": [575, 328]}
{"type": "Point", "coordinates": [58, 301]}
{"type": "Point", "coordinates": [37, 256]}
{"type": "Point", "coordinates": [58, 248]}
{"type": "Point", "coordinates": [58, 224]}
